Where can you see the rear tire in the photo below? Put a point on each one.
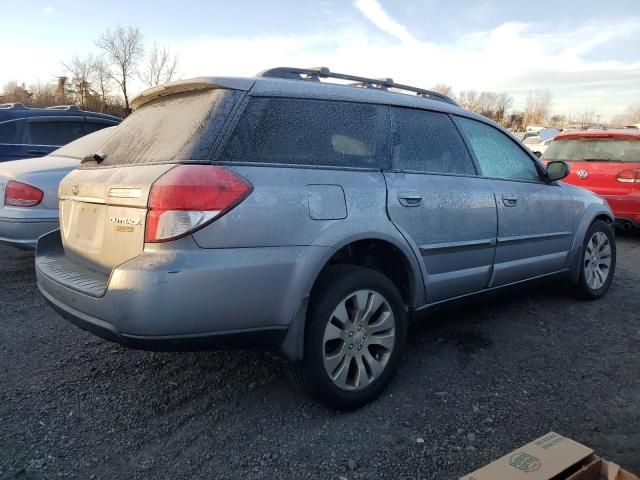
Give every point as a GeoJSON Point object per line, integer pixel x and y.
{"type": "Point", "coordinates": [354, 338]}
{"type": "Point", "coordinates": [598, 261]}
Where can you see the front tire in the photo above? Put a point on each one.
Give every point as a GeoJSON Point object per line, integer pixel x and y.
{"type": "Point", "coordinates": [598, 262]}
{"type": "Point", "coordinates": [355, 335]}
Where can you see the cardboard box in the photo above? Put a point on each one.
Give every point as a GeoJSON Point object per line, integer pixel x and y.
{"type": "Point", "coordinates": [551, 456]}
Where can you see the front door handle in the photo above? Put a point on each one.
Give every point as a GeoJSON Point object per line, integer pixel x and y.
{"type": "Point", "coordinates": [509, 201]}
{"type": "Point", "coordinates": [409, 199]}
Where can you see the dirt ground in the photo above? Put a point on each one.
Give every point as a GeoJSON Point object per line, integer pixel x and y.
{"type": "Point", "coordinates": [476, 382]}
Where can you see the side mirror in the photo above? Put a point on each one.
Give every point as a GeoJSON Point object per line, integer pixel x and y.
{"type": "Point", "coordinates": [557, 170]}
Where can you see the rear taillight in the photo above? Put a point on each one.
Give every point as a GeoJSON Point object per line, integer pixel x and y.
{"type": "Point", "coordinates": [18, 194]}
{"type": "Point", "coordinates": [188, 197]}
{"type": "Point", "coordinates": [631, 175]}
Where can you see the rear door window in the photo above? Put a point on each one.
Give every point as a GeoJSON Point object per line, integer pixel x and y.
{"type": "Point", "coordinates": [54, 132]}
{"type": "Point", "coordinates": [429, 142]}
{"type": "Point", "coordinates": [311, 132]}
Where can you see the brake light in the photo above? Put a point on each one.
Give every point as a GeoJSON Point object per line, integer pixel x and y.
{"type": "Point", "coordinates": [629, 176]}
{"type": "Point", "coordinates": [18, 194]}
{"type": "Point", "coordinates": [188, 197]}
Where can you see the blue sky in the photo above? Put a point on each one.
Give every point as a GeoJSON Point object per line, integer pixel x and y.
{"type": "Point", "coordinates": [588, 56]}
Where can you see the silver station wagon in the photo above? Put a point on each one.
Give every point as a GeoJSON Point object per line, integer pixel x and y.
{"type": "Point", "coordinates": [309, 212]}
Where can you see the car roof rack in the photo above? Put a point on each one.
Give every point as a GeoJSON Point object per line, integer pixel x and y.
{"type": "Point", "coordinates": [64, 107]}
{"type": "Point", "coordinates": [315, 74]}
{"type": "Point", "coordinates": [13, 106]}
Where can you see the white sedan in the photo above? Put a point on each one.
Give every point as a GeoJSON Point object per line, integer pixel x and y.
{"type": "Point", "coordinates": [29, 190]}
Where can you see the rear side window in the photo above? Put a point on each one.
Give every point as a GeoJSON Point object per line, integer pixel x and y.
{"type": "Point", "coordinates": [428, 142]}
{"type": "Point", "coordinates": [178, 128]}
{"type": "Point", "coordinates": [52, 132]}
{"type": "Point", "coordinates": [311, 132]}
{"type": "Point", "coordinates": [498, 155]}
{"type": "Point", "coordinates": [9, 132]}
{"type": "Point", "coordinates": [594, 149]}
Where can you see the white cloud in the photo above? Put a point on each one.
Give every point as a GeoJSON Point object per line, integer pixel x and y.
{"type": "Point", "coordinates": [513, 57]}
{"type": "Point", "coordinates": [374, 12]}
{"type": "Point", "coordinates": [49, 10]}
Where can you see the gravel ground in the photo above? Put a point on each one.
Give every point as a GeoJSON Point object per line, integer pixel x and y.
{"type": "Point", "coordinates": [476, 382]}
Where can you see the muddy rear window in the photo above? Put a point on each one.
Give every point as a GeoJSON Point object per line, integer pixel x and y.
{"type": "Point", "coordinates": [178, 128]}
{"type": "Point", "coordinates": [594, 149]}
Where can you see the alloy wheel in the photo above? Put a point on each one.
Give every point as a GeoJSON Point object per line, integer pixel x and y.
{"type": "Point", "coordinates": [597, 260]}
{"type": "Point", "coordinates": [359, 339]}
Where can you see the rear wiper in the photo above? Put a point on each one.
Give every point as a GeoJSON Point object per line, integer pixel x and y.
{"type": "Point", "coordinates": [94, 157]}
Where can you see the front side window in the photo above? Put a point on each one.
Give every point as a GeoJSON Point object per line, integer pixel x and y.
{"type": "Point", "coordinates": [429, 142]}
{"type": "Point", "coordinates": [55, 132]}
{"type": "Point", "coordinates": [497, 154]}
{"type": "Point", "coordinates": [310, 132]}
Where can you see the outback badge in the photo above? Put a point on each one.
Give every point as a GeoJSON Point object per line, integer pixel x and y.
{"type": "Point", "coordinates": [525, 462]}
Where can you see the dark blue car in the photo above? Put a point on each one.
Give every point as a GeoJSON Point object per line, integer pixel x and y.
{"type": "Point", "coordinates": [34, 132]}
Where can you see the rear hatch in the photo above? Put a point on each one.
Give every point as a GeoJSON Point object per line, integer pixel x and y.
{"type": "Point", "coordinates": [606, 163]}
{"type": "Point", "coordinates": [104, 203]}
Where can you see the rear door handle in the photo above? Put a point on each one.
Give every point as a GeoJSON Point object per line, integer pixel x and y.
{"type": "Point", "coordinates": [409, 199]}
{"type": "Point", "coordinates": [37, 152]}
{"type": "Point", "coordinates": [509, 200]}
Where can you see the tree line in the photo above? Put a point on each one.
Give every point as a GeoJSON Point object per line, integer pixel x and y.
{"type": "Point", "coordinates": [101, 82]}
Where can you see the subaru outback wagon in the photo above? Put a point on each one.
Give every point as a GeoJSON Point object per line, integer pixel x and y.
{"type": "Point", "coordinates": [312, 217]}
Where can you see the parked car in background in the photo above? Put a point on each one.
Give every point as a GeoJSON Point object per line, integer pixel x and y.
{"type": "Point", "coordinates": [606, 162]}
{"type": "Point", "coordinates": [29, 190]}
{"type": "Point", "coordinates": [290, 213]}
{"type": "Point", "coordinates": [538, 142]}
{"type": "Point", "coordinates": [35, 132]}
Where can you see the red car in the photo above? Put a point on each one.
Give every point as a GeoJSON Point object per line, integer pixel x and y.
{"type": "Point", "coordinates": [607, 163]}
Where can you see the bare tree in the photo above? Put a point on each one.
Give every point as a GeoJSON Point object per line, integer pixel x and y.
{"type": "Point", "coordinates": [504, 102]}
{"type": "Point", "coordinates": [16, 92]}
{"type": "Point", "coordinates": [537, 107]}
{"type": "Point", "coordinates": [161, 66]}
{"type": "Point", "coordinates": [585, 118]}
{"type": "Point", "coordinates": [469, 99]}
{"type": "Point", "coordinates": [81, 70]}
{"type": "Point", "coordinates": [124, 51]}
{"type": "Point", "coordinates": [490, 104]}
{"type": "Point", "coordinates": [444, 89]}
{"type": "Point", "coordinates": [102, 80]}
{"type": "Point", "coordinates": [631, 116]}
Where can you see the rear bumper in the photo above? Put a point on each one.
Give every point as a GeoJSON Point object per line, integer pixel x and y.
{"type": "Point", "coordinates": [186, 298]}
{"type": "Point", "coordinates": [625, 207]}
{"type": "Point", "coordinates": [24, 232]}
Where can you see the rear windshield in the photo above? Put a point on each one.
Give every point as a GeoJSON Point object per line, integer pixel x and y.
{"type": "Point", "coordinates": [594, 149]}
{"type": "Point", "coordinates": [178, 128]}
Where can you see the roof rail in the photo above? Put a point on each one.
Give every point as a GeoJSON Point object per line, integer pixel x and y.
{"type": "Point", "coordinates": [13, 106]}
{"type": "Point", "coordinates": [64, 107]}
{"type": "Point", "coordinates": [315, 74]}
